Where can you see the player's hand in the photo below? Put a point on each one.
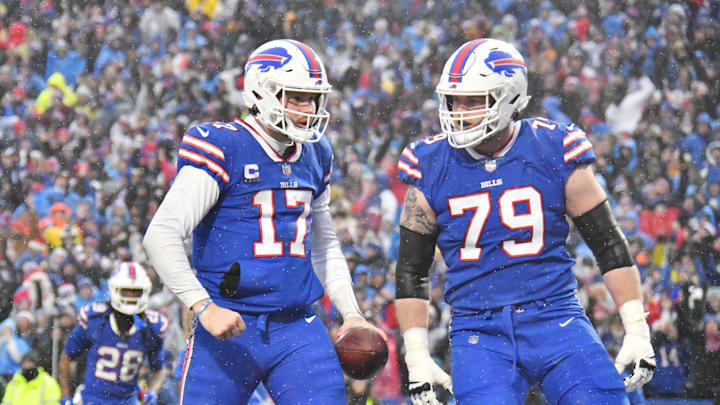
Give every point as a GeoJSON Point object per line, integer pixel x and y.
{"type": "Point", "coordinates": [637, 350]}
{"type": "Point", "coordinates": [357, 321]}
{"type": "Point", "coordinates": [423, 372]}
{"type": "Point", "coordinates": [221, 322]}
{"type": "Point", "coordinates": [66, 401]}
{"type": "Point", "coordinates": [150, 398]}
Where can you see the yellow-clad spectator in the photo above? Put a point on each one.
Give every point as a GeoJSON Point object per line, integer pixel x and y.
{"type": "Point", "coordinates": [57, 91]}
{"type": "Point", "coordinates": [32, 385]}
{"type": "Point", "coordinates": [208, 7]}
{"type": "Point", "coordinates": [59, 227]}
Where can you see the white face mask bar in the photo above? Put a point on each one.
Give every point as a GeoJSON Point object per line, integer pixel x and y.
{"type": "Point", "coordinates": [316, 122]}
{"type": "Point", "coordinates": [126, 304]}
{"type": "Point", "coordinates": [454, 123]}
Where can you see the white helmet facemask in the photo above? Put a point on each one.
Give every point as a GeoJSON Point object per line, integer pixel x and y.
{"type": "Point", "coordinates": [277, 68]}
{"type": "Point", "coordinates": [486, 67]}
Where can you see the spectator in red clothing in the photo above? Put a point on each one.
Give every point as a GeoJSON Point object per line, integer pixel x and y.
{"type": "Point", "coordinates": [661, 220]}
{"type": "Point", "coordinates": [384, 101]}
{"type": "Point", "coordinates": [387, 384]}
{"type": "Point", "coordinates": [15, 35]}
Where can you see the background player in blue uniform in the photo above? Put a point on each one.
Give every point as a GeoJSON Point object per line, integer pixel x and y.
{"type": "Point", "coordinates": [493, 195]}
{"type": "Point", "coordinates": [117, 339]}
{"type": "Point", "coordinates": [255, 195]}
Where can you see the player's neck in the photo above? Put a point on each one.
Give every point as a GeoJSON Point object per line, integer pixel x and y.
{"type": "Point", "coordinates": [495, 143]}
{"type": "Point", "coordinates": [123, 322]}
{"type": "Point", "coordinates": [279, 142]}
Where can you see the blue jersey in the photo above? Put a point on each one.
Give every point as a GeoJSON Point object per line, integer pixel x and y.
{"type": "Point", "coordinates": [113, 361]}
{"type": "Point", "coordinates": [252, 250]}
{"type": "Point", "coordinates": [502, 219]}
{"type": "Point", "coordinates": [669, 377]}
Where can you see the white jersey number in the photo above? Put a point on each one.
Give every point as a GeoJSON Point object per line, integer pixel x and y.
{"type": "Point", "coordinates": [109, 359]}
{"type": "Point", "coordinates": [480, 204]}
{"type": "Point", "coordinates": [269, 246]}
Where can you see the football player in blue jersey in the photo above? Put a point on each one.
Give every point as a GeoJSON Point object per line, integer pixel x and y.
{"type": "Point", "coordinates": [255, 196]}
{"type": "Point", "coordinates": [493, 193]}
{"type": "Point", "coordinates": [117, 339]}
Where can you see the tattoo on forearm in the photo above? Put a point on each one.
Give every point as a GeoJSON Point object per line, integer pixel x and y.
{"type": "Point", "coordinates": [414, 217]}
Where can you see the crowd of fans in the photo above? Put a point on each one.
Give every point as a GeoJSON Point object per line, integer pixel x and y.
{"type": "Point", "coordinates": [96, 95]}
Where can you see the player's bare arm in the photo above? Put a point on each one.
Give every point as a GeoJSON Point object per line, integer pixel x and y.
{"type": "Point", "coordinates": [418, 236]}
{"type": "Point", "coordinates": [64, 374]}
{"type": "Point", "coordinates": [586, 204]}
{"type": "Point", "coordinates": [583, 194]}
{"type": "Point", "coordinates": [417, 215]}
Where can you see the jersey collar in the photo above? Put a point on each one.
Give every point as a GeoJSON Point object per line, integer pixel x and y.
{"type": "Point", "coordinates": [271, 146]}
{"type": "Point", "coordinates": [114, 327]}
{"type": "Point", "coordinates": [504, 150]}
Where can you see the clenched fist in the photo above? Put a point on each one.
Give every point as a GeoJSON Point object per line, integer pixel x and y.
{"type": "Point", "coordinates": [221, 322]}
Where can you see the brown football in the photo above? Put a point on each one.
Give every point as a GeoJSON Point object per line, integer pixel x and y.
{"type": "Point", "coordinates": [362, 352]}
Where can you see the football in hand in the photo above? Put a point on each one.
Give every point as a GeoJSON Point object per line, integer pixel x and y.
{"type": "Point", "coordinates": [362, 352]}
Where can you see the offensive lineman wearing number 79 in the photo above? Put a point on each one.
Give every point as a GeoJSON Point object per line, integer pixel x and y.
{"type": "Point", "coordinates": [256, 194]}
{"type": "Point", "coordinates": [493, 194]}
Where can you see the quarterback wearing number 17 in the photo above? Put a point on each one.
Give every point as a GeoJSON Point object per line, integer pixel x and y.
{"type": "Point", "coordinates": [493, 192]}
{"type": "Point", "coordinates": [255, 196]}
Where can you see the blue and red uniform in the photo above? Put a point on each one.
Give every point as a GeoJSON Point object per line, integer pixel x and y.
{"type": "Point", "coordinates": [510, 283]}
{"type": "Point", "coordinates": [114, 359]}
{"type": "Point", "coordinates": [252, 255]}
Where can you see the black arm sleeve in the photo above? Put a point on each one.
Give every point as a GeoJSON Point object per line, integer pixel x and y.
{"type": "Point", "coordinates": [604, 237]}
{"type": "Point", "coordinates": [415, 257]}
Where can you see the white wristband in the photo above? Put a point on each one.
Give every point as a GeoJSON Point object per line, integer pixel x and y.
{"type": "Point", "coordinates": [632, 314]}
{"type": "Point", "coordinates": [416, 340]}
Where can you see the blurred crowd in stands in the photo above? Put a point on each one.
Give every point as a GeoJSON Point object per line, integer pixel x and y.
{"type": "Point", "coordinates": [95, 96]}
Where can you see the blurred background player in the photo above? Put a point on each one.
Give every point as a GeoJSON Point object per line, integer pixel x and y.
{"type": "Point", "coordinates": [493, 194]}
{"type": "Point", "coordinates": [255, 196]}
{"type": "Point", "coordinates": [117, 339]}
